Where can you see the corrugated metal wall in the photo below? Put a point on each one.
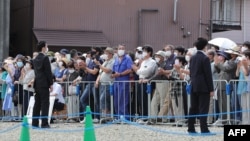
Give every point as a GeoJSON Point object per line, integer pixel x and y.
{"type": "Point", "coordinates": [118, 19]}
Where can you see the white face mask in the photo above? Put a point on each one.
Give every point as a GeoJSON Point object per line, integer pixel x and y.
{"type": "Point", "coordinates": [176, 62]}
{"type": "Point", "coordinates": [175, 53]}
{"type": "Point", "coordinates": [144, 54]}
{"type": "Point", "coordinates": [87, 60]}
{"type": "Point", "coordinates": [168, 53]}
{"type": "Point", "coordinates": [121, 52]}
{"type": "Point", "coordinates": [157, 59]}
{"type": "Point", "coordinates": [187, 58]}
{"type": "Point", "coordinates": [71, 70]}
{"type": "Point", "coordinates": [47, 50]}
{"type": "Point", "coordinates": [60, 64]}
{"type": "Point", "coordinates": [243, 49]}
{"type": "Point", "coordinates": [105, 57]}
{"type": "Point", "coordinates": [27, 66]}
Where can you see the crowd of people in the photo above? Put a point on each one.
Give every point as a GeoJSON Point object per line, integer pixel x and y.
{"type": "Point", "coordinates": [78, 79]}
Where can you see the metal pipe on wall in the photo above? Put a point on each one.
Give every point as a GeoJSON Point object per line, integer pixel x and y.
{"type": "Point", "coordinates": [200, 18]}
{"type": "Point", "coordinates": [175, 11]}
{"type": "Point", "coordinates": [211, 20]}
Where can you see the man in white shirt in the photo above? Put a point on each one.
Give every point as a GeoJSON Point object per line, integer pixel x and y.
{"type": "Point", "coordinates": [57, 92]}
{"type": "Point", "coordinates": [145, 70]}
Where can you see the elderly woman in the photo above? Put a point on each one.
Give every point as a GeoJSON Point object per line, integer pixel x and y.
{"type": "Point", "coordinates": [27, 79]}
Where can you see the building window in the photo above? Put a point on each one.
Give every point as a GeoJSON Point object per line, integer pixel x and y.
{"type": "Point", "coordinates": [226, 14]}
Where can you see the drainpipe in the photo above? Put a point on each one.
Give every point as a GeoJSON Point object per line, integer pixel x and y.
{"type": "Point", "coordinates": [200, 18]}
{"type": "Point", "coordinates": [140, 12]}
{"type": "Point", "coordinates": [175, 11]}
{"type": "Point", "coordinates": [211, 20]}
{"type": "Point", "coordinates": [244, 19]}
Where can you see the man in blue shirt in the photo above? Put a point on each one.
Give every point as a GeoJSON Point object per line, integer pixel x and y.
{"type": "Point", "coordinates": [121, 71]}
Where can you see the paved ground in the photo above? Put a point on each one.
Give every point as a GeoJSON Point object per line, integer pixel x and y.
{"type": "Point", "coordinates": [10, 131]}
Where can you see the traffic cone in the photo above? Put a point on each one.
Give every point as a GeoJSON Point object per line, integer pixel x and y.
{"type": "Point", "coordinates": [89, 132]}
{"type": "Point", "coordinates": [25, 135]}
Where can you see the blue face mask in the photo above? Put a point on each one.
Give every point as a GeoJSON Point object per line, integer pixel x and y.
{"type": "Point", "coordinates": [19, 64]}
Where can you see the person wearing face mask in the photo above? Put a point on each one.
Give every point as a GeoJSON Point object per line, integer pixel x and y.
{"type": "Point", "coordinates": [63, 55]}
{"type": "Point", "coordinates": [121, 72]}
{"type": "Point", "coordinates": [88, 58]}
{"type": "Point", "coordinates": [170, 58]}
{"type": "Point", "coordinates": [7, 101]}
{"type": "Point", "coordinates": [176, 91]}
{"type": "Point", "coordinates": [211, 54]}
{"type": "Point", "coordinates": [103, 80]}
{"type": "Point", "coordinates": [179, 51]}
{"type": "Point", "coordinates": [43, 82]}
{"type": "Point", "coordinates": [185, 75]}
{"type": "Point", "coordinates": [92, 70]}
{"type": "Point", "coordinates": [226, 66]}
{"type": "Point", "coordinates": [145, 70]}
{"type": "Point", "coordinates": [73, 99]}
{"type": "Point", "coordinates": [61, 72]}
{"type": "Point", "coordinates": [159, 96]}
{"type": "Point", "coordinates": [201, 87]}
{"type": "Point", "coordinates": [27, 79]}
{"type": "Point", "coordinates": [18, 88]}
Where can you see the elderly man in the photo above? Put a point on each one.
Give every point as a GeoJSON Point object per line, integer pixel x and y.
{"type": "Point", "coordinates": [121, 73]}
{"type": "Point", "coordinates": [159, 95]}
{"type": "Point", "coordinates": [103, 80]}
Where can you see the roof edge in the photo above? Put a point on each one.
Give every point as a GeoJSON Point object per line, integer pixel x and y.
{"type": "Point", "coordinates": [67, 30]}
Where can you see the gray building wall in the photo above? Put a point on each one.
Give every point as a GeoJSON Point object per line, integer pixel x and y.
{"type": "Point", "coordinates": [119, 19]}
{"type": "Point", "coordinates": [4, 28]}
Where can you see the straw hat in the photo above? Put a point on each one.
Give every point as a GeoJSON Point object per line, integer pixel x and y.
{"type": "Point", "coordinates": [235, 50]}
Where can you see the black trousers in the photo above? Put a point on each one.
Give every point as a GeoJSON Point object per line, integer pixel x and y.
{"type": "Point", "coordinates": [58, 105]}
{"type": "Point", "coordinates": [142, 99]}
{"type": "Point", "coordinates": [26, 99]}
{"type": "Point", "coordinates": [41, 104]}
{"type": "Point", "coordinates": [200, 106]}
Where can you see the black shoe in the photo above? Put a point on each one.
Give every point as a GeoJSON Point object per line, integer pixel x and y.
{"type": "Point", "coordinates": [191, 131]}
{"type": "Point", "coordinates": [35, 127]}
{"type": "Point", "coordinates": [171, 120]}
{"type": "Point", "coordinates": [45, 126]}
{"type": "Point", "coordinates": [52, 121]}
{"type": "Point", "coordinates": [177, 125]}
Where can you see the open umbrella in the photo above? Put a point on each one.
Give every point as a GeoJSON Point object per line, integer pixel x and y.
{"type": "Point", "coordinates": [224, 43]}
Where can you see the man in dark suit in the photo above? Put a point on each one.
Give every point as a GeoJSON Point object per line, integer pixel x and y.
{"type": "Point", "coordinates": [43, 81]}
{"type": "Point", "coordinates": [201, 87]}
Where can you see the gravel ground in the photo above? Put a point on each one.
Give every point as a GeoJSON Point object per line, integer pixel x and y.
{"type": "Point", "coordinates": [10, 131]}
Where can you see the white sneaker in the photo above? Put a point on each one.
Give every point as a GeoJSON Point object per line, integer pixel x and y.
{"type": "Point", "coordinates": [140, 121]}
{"type": "Point", "coordinates": [83, 121]}
{"type": "Point", "coordinates": [95, 120]}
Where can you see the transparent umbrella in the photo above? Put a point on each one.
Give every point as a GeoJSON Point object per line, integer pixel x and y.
{"type": "Point", "coordinates": [224, 43]}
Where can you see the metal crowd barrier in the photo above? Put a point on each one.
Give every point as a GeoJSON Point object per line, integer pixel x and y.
{"type": "Point", "coordinates": [133, 101]}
